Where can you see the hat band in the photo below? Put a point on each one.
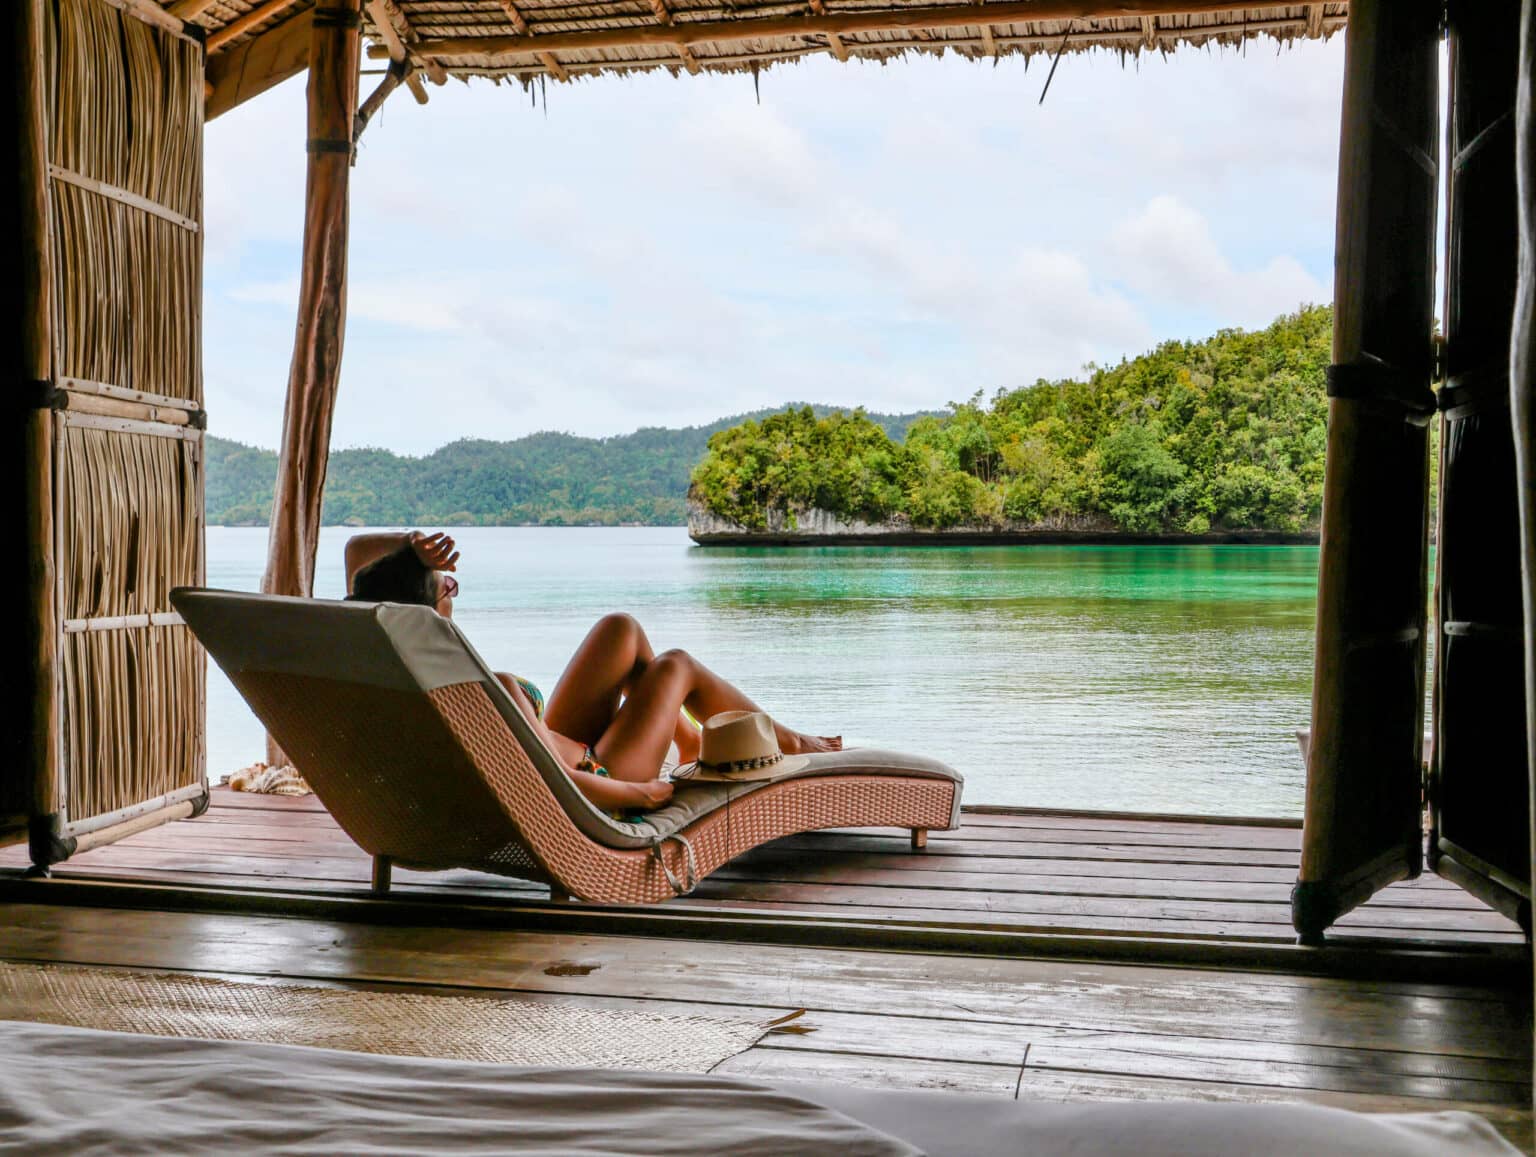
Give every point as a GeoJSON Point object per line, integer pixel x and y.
{"type": "Point", "coordinates": [744, 764]}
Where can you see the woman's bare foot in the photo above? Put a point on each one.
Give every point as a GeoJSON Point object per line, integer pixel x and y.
{"type": "Point", "coordinates": [795, 743]}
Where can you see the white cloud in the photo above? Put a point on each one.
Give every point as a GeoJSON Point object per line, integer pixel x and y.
{"type": "Point", "coordinates": [1167, 250]}
{"type": "Point", "coordinates": [668, 251]}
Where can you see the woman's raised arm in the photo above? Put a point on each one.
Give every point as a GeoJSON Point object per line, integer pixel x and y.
{"type": "Point", "coordinates": [435, 550]}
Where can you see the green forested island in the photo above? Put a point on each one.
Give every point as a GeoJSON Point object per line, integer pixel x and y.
{"type": "Point", "coordinates": [543, 479]}
{"type": "Point", "coordinates": [1226, 434]}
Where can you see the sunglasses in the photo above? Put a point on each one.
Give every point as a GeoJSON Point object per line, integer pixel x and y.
{"type": "Point", "coordinates": [450, 587]}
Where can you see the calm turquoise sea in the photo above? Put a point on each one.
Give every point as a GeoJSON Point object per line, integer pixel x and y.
{"type": "Point", "coordinates": [1125, 678]}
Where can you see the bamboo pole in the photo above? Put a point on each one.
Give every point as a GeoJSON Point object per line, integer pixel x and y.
{"type": "Point", "coordinates": [1362, 817]}
{"type": "Point", "coordinates": [822, 25]}
{"type": "Point", "coordinates": [1522, 380]}
{"type": "Point", "coordinates": [35, 274]}
{"type": "Point", "coordinates": [316, 364]}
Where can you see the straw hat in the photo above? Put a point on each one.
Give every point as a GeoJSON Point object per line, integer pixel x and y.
{"type": "Point", "coordinates": [740, 746]}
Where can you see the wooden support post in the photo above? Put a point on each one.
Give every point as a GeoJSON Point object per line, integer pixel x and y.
{"type": "Point", "coordinates": [35, 758]}
{"type": "Point", "coordinates": [919, 839]}
{"type": "Point", "coordinates": [1362, 819]}
{"type": "Point", "coordinates": [316, 366]}
{"type": "Point", "coordinates": [383, 869]}
{"type": "Point", "coordinates": [312, 377]}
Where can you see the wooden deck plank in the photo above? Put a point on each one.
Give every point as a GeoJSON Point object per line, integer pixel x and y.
{"type": "Point", "coordinates": [1042, 911]}
{"type": "Point", "coordinates": [1025, 873]}
{"type": "Point", "coordinates": [1061, 994]}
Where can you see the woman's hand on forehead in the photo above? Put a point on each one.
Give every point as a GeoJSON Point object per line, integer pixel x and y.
{"type": "Point", "coordinates": [435, 550]}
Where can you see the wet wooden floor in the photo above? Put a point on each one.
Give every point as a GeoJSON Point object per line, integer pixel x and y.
{"type": "Point", "coordinates": [1051, 1030]}
{"type": "Point", "coordinates": [1003, 1025]}
{"type": "Point", "coordinates": [1046, 873]}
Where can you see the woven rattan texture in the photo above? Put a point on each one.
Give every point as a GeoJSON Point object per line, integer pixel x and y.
{"type": "Point", "coordinates": [470, 1028]}
{"type": "Point", "coordinates": [437, 780]}
{"type": "Point", "coordinates": [608, 875]}
{"type": "Point", "coordinates": [388, 768]}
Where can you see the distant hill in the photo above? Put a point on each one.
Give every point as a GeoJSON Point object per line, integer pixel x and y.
{"type": "Point", "coordinates": [544, 479]}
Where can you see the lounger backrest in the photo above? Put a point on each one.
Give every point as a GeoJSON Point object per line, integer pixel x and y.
{"type": "Point", "coordinates": [347, 676]}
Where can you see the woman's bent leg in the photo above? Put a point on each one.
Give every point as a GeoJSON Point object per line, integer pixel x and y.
{"type": "Point", "coordinates": [612, 656]}
{"type": "Point", "coordinates": [636, 742]}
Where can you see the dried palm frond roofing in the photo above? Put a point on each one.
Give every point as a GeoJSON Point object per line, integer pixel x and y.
{"type": "Point", "coordinates": [524, 39]}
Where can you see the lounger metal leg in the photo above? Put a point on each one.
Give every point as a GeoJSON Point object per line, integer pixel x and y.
{"type": "Point", "coordinates": [919, 839]}
{"type": "Point", "coordinates": [381, 867]}
{"type": "Point", "coordinates": [558, 895]}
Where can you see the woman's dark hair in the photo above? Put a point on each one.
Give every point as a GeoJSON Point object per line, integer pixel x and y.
{"type": "Point", "coordinates": [398, 577]}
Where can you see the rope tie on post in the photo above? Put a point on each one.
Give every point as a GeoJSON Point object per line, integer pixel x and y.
{"type": "Point", "coordinates": [1378, 382]}
{"type": "Point", "coordinates": [1475, 392]}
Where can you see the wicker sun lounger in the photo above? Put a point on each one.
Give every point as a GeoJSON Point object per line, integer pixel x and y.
{"type": "Point", "coordinates": [421, 756]}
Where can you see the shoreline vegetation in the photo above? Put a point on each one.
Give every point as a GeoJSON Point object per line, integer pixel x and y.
{"type": "Point", "coordinates": [1213, 441]}
{"type": "Point", "coordinates": [1220, 440]}
{"type": "Point", "coordinates": [544, 479]}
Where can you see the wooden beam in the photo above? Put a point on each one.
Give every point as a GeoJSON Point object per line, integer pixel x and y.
{"type": "Point", "coordinates": [1149, 30]}
{"type": "Point", "coordinates": [394, 41]}
{"type": "Point", "coordinates": [316, 366]}
{"type": "Point", "coordinates": [238, 74]}
{"type": "Point", "coordinates": [397, 74]}
{"type": "Point", "coordinates": [243, 24]}
{"type": "Point", "coordinates": [834, 42]}
{"type": "Point", "coordinates": [393, 15]}
{"type": "Point", "coordinates": [1314, 21]}
{"type": "Point", "coordinates": [819, 27]}
{"type": "Point", "coordinates": [190, 9]}
{"type": "Point", "coordinates": [664, 16]}
{"type": "Point", "coordinates": [151, 13]}
{"type": "Point", "coordinates": [520, 24]}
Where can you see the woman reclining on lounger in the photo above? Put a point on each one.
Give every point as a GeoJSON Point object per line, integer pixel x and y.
{"type": "Point", "coordinates": [617, 707]}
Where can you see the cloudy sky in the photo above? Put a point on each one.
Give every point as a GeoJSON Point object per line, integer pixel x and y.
{"type": "Point", "coordinates": [660, 251]}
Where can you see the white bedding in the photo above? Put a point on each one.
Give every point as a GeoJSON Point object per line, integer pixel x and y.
{"type": "Point", "coordinates": [88, 1093]}
{"type": "Point", "coordinates": [85, 1092]}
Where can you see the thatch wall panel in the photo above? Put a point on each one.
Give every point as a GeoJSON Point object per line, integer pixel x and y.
{"type": "Point", "coordinates": [132, 716]}
{"type": "Point", "coordinates": [124, 180]}
{"type": "Point", "coordinates": [128, 105]}
{"type": "Point", "coordinates": [127, 292]}
{"type": "Point", "coordinates": [130, 522]}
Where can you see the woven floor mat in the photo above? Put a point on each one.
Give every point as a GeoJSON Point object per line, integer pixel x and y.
{"type": "Point", "coordinates": [507, 1030]}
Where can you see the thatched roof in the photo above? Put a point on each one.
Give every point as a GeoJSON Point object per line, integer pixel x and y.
{"type": "Point", "coordinates": [525, 39]}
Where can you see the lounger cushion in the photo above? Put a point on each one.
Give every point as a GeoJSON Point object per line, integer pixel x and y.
{"type": "Point", "coordinates": [414, 649]}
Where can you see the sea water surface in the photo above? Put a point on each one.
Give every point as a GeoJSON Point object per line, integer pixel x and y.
{"type": "Point", "coordinates": [1138, 678]}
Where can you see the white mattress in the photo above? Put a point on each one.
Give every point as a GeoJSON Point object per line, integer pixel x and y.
{"type": "Point", "coordinates": [83, 1092]}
